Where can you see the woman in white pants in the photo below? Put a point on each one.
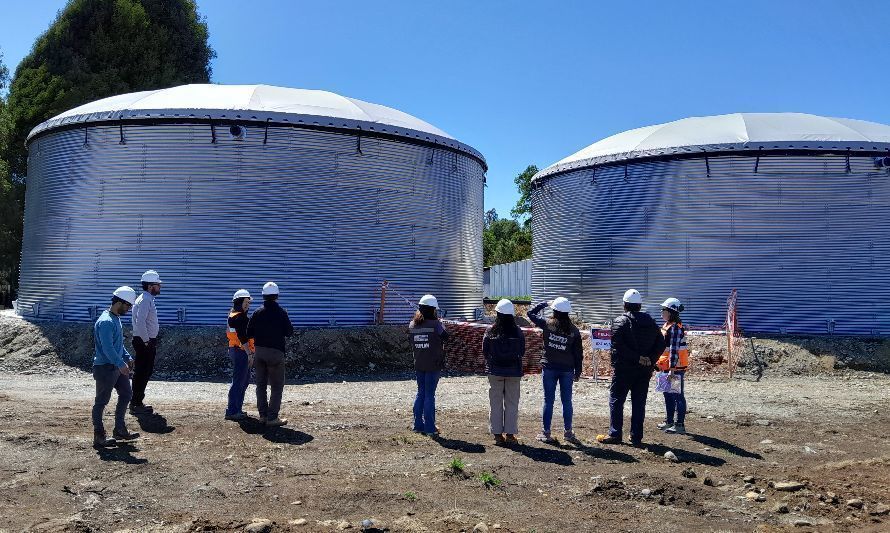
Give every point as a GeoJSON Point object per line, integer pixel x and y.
{"type": "Point", "coordinates": [504, 347]}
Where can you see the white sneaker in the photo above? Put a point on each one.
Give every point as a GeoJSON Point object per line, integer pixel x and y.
{"type": "Point", "coordinates": [678, 429]}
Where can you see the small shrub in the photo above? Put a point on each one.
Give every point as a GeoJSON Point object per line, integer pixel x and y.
{"type": "Point", "coordinates": [488, 479]}
{"type": "Point", "coordinates": [457, 466]}
{"type": "Point", "coordinates": [411, 496]}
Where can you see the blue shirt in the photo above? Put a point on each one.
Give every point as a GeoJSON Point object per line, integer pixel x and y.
{"type": "Point", "coordinates": [108, 335]}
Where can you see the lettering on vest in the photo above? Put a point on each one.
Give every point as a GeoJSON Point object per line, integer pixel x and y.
{"type": "Point", "coordinates": [557, 342]}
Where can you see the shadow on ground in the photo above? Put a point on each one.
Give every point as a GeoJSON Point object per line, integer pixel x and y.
{"type": "Point", "coordinates": [280, 435]}
{"type": "Point", "coordinates": [123, 453]}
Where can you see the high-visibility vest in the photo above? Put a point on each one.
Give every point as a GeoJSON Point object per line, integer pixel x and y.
{"type": "Point", "coordinates": [664, 362]}
{"type": "Point", "coordinates": [232, 334]}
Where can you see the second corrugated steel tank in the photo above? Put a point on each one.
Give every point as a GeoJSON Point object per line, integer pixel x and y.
{"type": "Point", "coordinates": [804, 238]}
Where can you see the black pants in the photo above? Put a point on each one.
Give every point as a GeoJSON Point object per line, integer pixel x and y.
{"type": "Point", "coordinates": [269, 367]}
{"type": "Point", "coordinates": [624, 381]}
{"type": "Point", "coordinates": [144, 367]}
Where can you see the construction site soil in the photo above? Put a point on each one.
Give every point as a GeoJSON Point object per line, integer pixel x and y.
{"type": "Point", "coordinates": [796, 440]}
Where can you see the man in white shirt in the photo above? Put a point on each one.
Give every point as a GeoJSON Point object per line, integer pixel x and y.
{"type": "Point", "coordinates": [145, 340]}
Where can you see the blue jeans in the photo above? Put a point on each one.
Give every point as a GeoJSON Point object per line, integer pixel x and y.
{"type": "Point", "coordinates": [565, 380]}
{"type": "Point", "coordinates": [636, 382]}
{"type": "Point", "coordinates": [108, 378]}
{"type": "Point", "coordinates": [425, 402]}
{"type": "Point", "coordinates": [240, 379]}
{"type": "Point", "coordinates": [676, 402]}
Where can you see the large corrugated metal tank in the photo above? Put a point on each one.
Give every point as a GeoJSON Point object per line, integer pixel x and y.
{"type": "Point", "coordinates": [798, 222]}
{"type": "Point", "coordinates": [327, 206]}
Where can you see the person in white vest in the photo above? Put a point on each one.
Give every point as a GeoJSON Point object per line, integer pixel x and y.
{"type": "Point", "coordinates": [145, 340]}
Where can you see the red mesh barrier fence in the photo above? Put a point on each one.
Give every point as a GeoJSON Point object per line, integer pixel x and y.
{"type": "Point", "coordinates": [463, 350]}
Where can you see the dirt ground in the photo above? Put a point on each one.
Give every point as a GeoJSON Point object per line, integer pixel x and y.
{"type": "Point", "coordinates": [348, 456]}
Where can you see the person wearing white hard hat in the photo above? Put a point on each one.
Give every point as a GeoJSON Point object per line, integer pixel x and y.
{"type": "Point", "coordinates": [268, 327]}
{"type": "Point", "coordinates": [637, 343]}
{"type": "Point", "coordinates": [561, 363]}
{"type": "Point", "coordinates": [111, 368]}
{"type": "Point", "coordinates": [503, 347]}
{"type": "Point", "coordinates": [145, 340]}
{"type": "Point", "coordinates": [241, 350]}
{"type": "Point", "coordinates": [427, 337]}
{"type": "Point", "coordinates": [672, 365]}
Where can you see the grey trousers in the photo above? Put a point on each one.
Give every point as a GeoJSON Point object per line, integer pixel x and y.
{"type": "Point", "coordinates": [108, 378]}
{"type": "Point", "coordinates": [503, 396]}
{"type": "Point", "coordinates": [269, 366]}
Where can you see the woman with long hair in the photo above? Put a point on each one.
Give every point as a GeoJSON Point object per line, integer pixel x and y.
{"type": "Point", "coordinates": [427, 335]}
{"type": "Point", "coordinates": [503, 346]}
{"type": "Point", "coordinates": [674, 362]}
{"type": "Point", "coordinates": [561, 362]}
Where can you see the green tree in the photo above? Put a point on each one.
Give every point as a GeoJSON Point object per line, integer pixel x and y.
{"type": "Point", "coordinates": [504, 241]}
{"type": "Point", "coordinates": [100, 48]}
{"type": "Point", "coordinates": [523, 208]}
{"type": "Point", "coordinates": [95, 49]}
{"type": "Point", "coordinates": [11, 200]}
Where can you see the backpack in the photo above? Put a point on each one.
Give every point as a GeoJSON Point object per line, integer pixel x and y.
{"type": "Point", "coordinates": [505, 351]}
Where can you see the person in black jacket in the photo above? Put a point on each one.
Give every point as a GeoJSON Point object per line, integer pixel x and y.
{"type": "Point", "coordinates": [503, 346]}
{"type": "Point", "coordinates": [268, 327]}
{"type": "Point", "coordinates": [637, 343]}
{"type": "Point", "coordinates": [561, 363]}
{"type": "Point", "coordinates": [427, 335]}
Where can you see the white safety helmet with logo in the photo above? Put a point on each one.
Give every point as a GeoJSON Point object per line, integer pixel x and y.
{"type": "Point", "coordinates": [151, 276]}
{"type": "Point", "coordinates": [241, 293]}
{"type": "Point", "coordinates": [429, 300]}
{"type": "Point", "coordinates": [632, 296]}
{"type": "Point", "coordinates": [126, 294]}
{"type": "Point", "coordinates": [505, 307]}
{"type": "Point", "coordinates": [561, 304]}
{"type": "Point", "coordinates": [672, 304]}
{"type": "Point", "coordinates": [270, 288]}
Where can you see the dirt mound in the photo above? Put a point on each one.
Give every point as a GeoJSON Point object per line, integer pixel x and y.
{"type": "Point", "coordinates": [185, 352]}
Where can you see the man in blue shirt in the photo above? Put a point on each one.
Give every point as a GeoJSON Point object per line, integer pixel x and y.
{"type": "Point", "coordinates": [111, 368]}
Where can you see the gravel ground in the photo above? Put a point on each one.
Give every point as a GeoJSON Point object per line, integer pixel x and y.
{"type": "Point", "coordinates": [851, 395]}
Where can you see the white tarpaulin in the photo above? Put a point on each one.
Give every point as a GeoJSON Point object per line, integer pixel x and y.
{"type": "Point", "coordinates": [725, 133]}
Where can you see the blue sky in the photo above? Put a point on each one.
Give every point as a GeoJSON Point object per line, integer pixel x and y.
{"type": "Point", "coordinates": [530, 83]}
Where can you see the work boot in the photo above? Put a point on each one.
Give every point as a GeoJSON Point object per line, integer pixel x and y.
{"type": "Point", "coordinates": [140, 409]}
{"type": "Point", "coordinates": [100, 440]}
{"type": "Point", "coordinates": [124, 434]}
{"type": "Point", "coordinates": [237, 416]}
{"type": "Point", "coordinates": [499, 440]}
{"type": "Point", "coordinates": [677, 429]}
{"type": "Point", "coordinates": [511, 439]}
{"type": "Point", "coordinates": [277, 422]}
{"type": "Point", "coordinates": [664, 425]}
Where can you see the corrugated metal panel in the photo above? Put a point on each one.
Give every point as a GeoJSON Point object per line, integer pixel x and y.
{"type": "Point", "coordinates": [511, 279]}
{"type": "Point", "coordinates": [805, 240]}
{"type": "Point", "coordinates": [305, 208]}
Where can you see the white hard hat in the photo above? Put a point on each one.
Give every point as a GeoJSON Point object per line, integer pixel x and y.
{"type": "Point", "coordinates": [151, 276]}
{"type": "Point", "coordinates": [561, 304]}
{"type": "Point", "coordinates": [241, 293]}
{"type": "Point", "coordinates": [504, 307]}
{"type": "Point", "coordinates": [126, 294]}
{"type": "Point", "coordinates": [632, 296]}
{"type": "Point", "coordinates": [673, 304]}
{"type": "Point", "coordinates": [430, 300]}
{"type": "Point", "coordinates": [270, 288]}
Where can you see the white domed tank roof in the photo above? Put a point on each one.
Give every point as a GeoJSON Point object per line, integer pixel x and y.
{"type": "Point", "coordinates": [255, 103]}
{"type": "Point", "coordinates": [728, 133]}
